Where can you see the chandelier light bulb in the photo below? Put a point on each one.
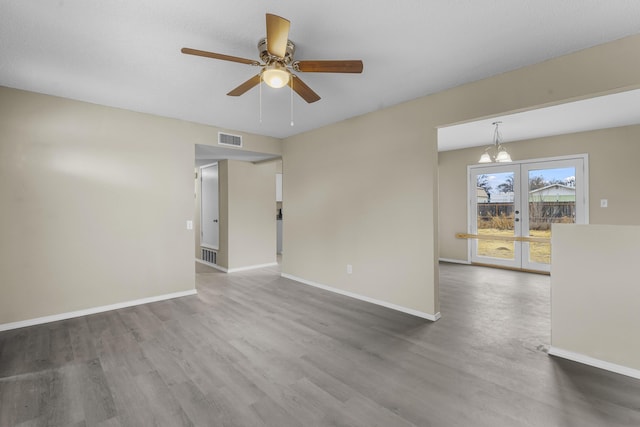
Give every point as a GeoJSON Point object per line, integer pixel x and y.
{"type": "Point", "coordinates": [485, 158]}
{"type": "Point", "coordinates": [503, 156]}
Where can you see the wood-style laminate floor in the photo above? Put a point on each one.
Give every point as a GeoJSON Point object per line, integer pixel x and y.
{"type": "Point", "coordinates": [254, 349]}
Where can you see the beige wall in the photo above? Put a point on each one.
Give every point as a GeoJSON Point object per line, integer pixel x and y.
{"type": "Point", "coordinates": [361, 192]}
{"type": "Point", "coordinates": [250, 216]}
{"type": "Point", "coordinates": [364, 191]}
{"type": "Point", "coordinates": [612, 177]}
{"type": "Point", "coordinates": [222, 256]}
{"type": "Point", "coordinates": [94, 204]}
{"type": "Point", "coordinates": [595, 293]}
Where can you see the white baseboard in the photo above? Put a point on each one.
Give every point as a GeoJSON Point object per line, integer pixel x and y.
{"type": "Point", "coordinates": [235, 270]}
{"type": "Point", "coordinates": [251, 267]}
{"type": "Point", "coordinates": [454, 261]}
{"type": "Point", "coordinates": [212, 265]}
{"type": "Point", "coordinates": [432, 317]}
{"type": "Point", "coordinates": [588, 360]}
{"type": "Point", "coordinates": [94, 310]}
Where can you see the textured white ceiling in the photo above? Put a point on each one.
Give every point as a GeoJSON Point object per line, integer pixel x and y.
{"type": "Point", "coordinates": [127, 53]}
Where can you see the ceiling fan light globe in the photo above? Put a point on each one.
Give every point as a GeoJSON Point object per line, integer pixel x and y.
{"type": "Point", "coordinates": [275, 77]}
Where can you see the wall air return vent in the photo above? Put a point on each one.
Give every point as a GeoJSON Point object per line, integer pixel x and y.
{"type": "Point", "coordinates": [229, 140]}
{"type": "Point", "coordinates": [208, 255]}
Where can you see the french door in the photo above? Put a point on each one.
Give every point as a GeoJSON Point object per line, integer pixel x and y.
{"type": "Point", "coordinates": [513, 207]}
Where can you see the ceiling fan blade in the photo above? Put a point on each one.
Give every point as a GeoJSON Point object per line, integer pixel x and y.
{"type": "Point", "coordinates": [253, 81]}
{"type": "Point", "coordinates": [349, 66]}
{"type": "Point", "coordinates": [303, 90]}
{"type": "Point", "coordinates": [213, 55]}
{"type": "Point", "coordinates": [277, 35]}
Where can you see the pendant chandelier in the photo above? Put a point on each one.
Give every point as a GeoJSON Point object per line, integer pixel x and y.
{"type": "Point", "coordinates": [495, 152]}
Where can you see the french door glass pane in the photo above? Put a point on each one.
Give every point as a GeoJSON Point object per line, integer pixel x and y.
{"type": "Point", "coordinates": [495, 214]}
{"type": "Point", "coordinates": [552, 199]}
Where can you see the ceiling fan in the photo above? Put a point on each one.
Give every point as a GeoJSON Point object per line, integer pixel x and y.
{"type": "Point", "coordinates": [276, 51]}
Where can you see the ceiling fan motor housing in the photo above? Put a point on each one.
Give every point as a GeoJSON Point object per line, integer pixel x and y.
{"type": "Point", "coordinates": [267, 58]}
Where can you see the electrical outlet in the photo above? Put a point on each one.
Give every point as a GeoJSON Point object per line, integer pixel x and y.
{"type": "Point", "coordinates": [349, 269]}
{"type": "Point", "coordinates": [604, 203]}
{"type": "Point", "coordinates": [189, 225]}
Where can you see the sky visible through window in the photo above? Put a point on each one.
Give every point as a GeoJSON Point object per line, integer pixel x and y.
{"type": "Point", "coordinates": [497, 182]}
{"type": "Point", "coordinates": [560, 174]}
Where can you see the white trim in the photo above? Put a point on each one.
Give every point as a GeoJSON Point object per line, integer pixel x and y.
{"type": "Point", "coordinates": [207, 165]}
{"type": "Point", "coordinates": [212, 265]}
{"type": "Point", "coordinates": [591, 361]}
{"type": "Point", "coordinates": [93, 310]}
{"type": "Point", "coordinates": [251, 267]}
{"type": "Point", "coordinates": [432, 317]}
{"type": "Point", "coordinates": [454, 261]}
{"type": "Point", "coordinates": [207, 246]}
{"type": "Point", "coordinates": [235, 270]}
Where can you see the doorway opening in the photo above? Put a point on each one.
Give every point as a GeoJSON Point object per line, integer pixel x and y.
{"type": "Point", "coordinates": [238, 206]}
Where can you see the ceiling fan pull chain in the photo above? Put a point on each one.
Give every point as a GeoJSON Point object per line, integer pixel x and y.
{"type": "Point", "coordinates": [291, 91]}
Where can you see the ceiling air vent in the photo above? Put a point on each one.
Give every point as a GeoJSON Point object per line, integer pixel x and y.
{"type": "Point", "coordinates": [229, 140]}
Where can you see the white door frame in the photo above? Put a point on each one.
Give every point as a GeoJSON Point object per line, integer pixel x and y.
{"type": "Point", "coordinates": [474, 172]}
{"type": "Point", "coordinates": [524, 166]}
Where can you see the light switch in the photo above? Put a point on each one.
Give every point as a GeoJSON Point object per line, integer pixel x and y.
{"type": "Point", "coordinates": [189, 225]}
{"type": "Point", "coordinates": [604, 203]}
{"type": "Point", "coordinates": [349, 269]}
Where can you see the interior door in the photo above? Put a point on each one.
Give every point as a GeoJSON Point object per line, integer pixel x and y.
{"type": "Point", "coordinates": [513, 207]}
{"type": "Point", "coordinates": [209, 225]}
